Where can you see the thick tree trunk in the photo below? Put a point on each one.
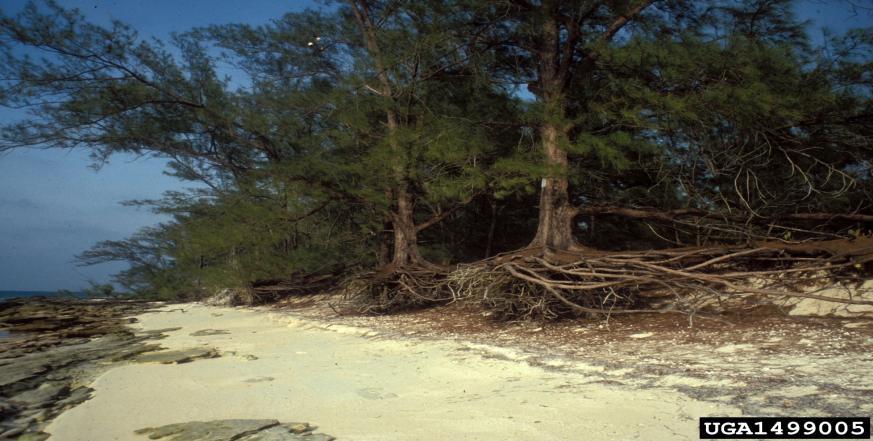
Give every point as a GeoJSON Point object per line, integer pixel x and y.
{"type": "Point", "coordinates": [556, 214]}
{"type": "Point", "coordinates": [403, 222]}
{"type": "Point", "coordinates": [555, 228]}
{"type": "Point", "coordinates": [556, 57]}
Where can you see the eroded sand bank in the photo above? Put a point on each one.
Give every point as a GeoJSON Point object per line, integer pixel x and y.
{"type": "Point", "coordinates": [357, 387]}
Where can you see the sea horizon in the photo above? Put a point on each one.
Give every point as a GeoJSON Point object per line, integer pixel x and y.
{"type": "Point", "coordinates": [11, 294]}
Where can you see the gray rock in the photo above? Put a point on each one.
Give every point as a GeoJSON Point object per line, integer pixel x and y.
{"type": "Point", "coordinates": [205, 332]}
{"type": "Point", "coordinates": [248, 357]}
{"type": "Point", "coordinates": [219, 430]}
{"type": "Point", "coordinates": [42, 396]}
{"type": "Point", "coordinates": [18, 370]}
{"type": "Point", "coordinates": [178, 356]}
{"type": "Point", "coordinates": [159, 332]}
{"type": "Point", "coordinates": [272, 434]}
{"type": "Point", "coordinates": [299, 428]}
{"type": "Point", "coordinates": [12, 432]}
{"type": "Point", "coordinates": [132, 351]}
{"type": "Point", "coordinates": [282, 433]}
{"type": "Point", "coordinates": [59, 345]}
{"type": "Point", "coordinates": [315, 437]}
{"type": "Point", "coordinates": [57, 376]}
{"type": "Point", "coordinates": [34, 436]}
{"type": "Point", "coordinates": [236, 430]}
{"type": "Point", "coordinates": [28, 418]}
{"type": "Point", "coordinates": [6, 406]}
{"type": "Point", "coordinates": [77, 395]}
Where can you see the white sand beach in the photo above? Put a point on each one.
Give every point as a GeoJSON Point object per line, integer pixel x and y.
{"type": "Point", "coordinates": [359, 386]}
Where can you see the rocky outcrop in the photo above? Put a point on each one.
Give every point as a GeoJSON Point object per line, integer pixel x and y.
{"type": "Point", "coordinates": [53, 350]}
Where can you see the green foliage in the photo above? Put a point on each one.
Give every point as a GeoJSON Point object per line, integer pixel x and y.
{"type": "Point", "coordinates": [713, 105]}
{"type": "Point", "coordinates": [99, 291]}
{"type": "Point", "coordinates": [65, 293]}
{"type": "Point", "coordinates": [611, 149]}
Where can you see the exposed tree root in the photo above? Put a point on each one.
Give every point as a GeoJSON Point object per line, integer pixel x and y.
{"type": "Point", "coordinates": [392, 289]}
{"type": "Point", "coordinates": [539, 284]}
{"type": "Point", "coordinates": [536, 283]}
{"type": "Point", "coordinates": [268, 291]}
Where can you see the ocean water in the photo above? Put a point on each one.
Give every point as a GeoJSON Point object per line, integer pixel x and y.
{"type": "Point", "coordinates": [14, 294]}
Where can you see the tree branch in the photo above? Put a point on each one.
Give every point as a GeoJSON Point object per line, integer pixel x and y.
{"type": "Point", "coordinates": [438, 217]}
{"type": "Point", "coordinates": [615, 27]}
{"type": "Point", "coordinates": [673, 215]}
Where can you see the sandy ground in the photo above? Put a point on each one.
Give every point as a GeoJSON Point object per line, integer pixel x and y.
{"type": "Point", "coordinates": [357, 384]}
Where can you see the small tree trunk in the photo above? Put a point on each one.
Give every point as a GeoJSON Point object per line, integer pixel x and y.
{"type": "Point", "coordinates": [491, 227]}
{"type": "Point", "coordinates": [405, 235]}
{"type": "Point", "coordinates": [383, 256]}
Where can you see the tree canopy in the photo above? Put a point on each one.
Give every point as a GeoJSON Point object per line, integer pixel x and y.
{"type": "Point", "coordinates": [423, 134]}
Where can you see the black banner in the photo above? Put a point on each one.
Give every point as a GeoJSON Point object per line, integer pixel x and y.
{"type": "Point", "coordinates": [785, 428]}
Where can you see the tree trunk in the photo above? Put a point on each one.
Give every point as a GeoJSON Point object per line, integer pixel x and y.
{"type": "Point", "coordinates": [383, 254]}
{"type": "Point", "coordinates": [491, 227]}
{"type": "Point", "coordinates": [555, 228]}
{"type": "Point", "coordinates": [405, 236]}
{"type": "Point", "coordinates": [555, 59]}
{"type": "Point", "coordinates": [556, 214]}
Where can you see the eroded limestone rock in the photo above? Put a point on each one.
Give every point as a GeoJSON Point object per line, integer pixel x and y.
{"type": "Point", "coordinates": [206, 332]}
{"type": "Point", "coordinates": [53, 349]}
{"type": "Point", "coordinates": [42, 396]}
{"type": "Point", "coordinates": [235, 430]}
{"type": "Point", "coordinates": [178, 356]}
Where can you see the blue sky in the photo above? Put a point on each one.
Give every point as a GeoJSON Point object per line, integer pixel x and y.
{"type": "Point", "coordinates": [53, 206]}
